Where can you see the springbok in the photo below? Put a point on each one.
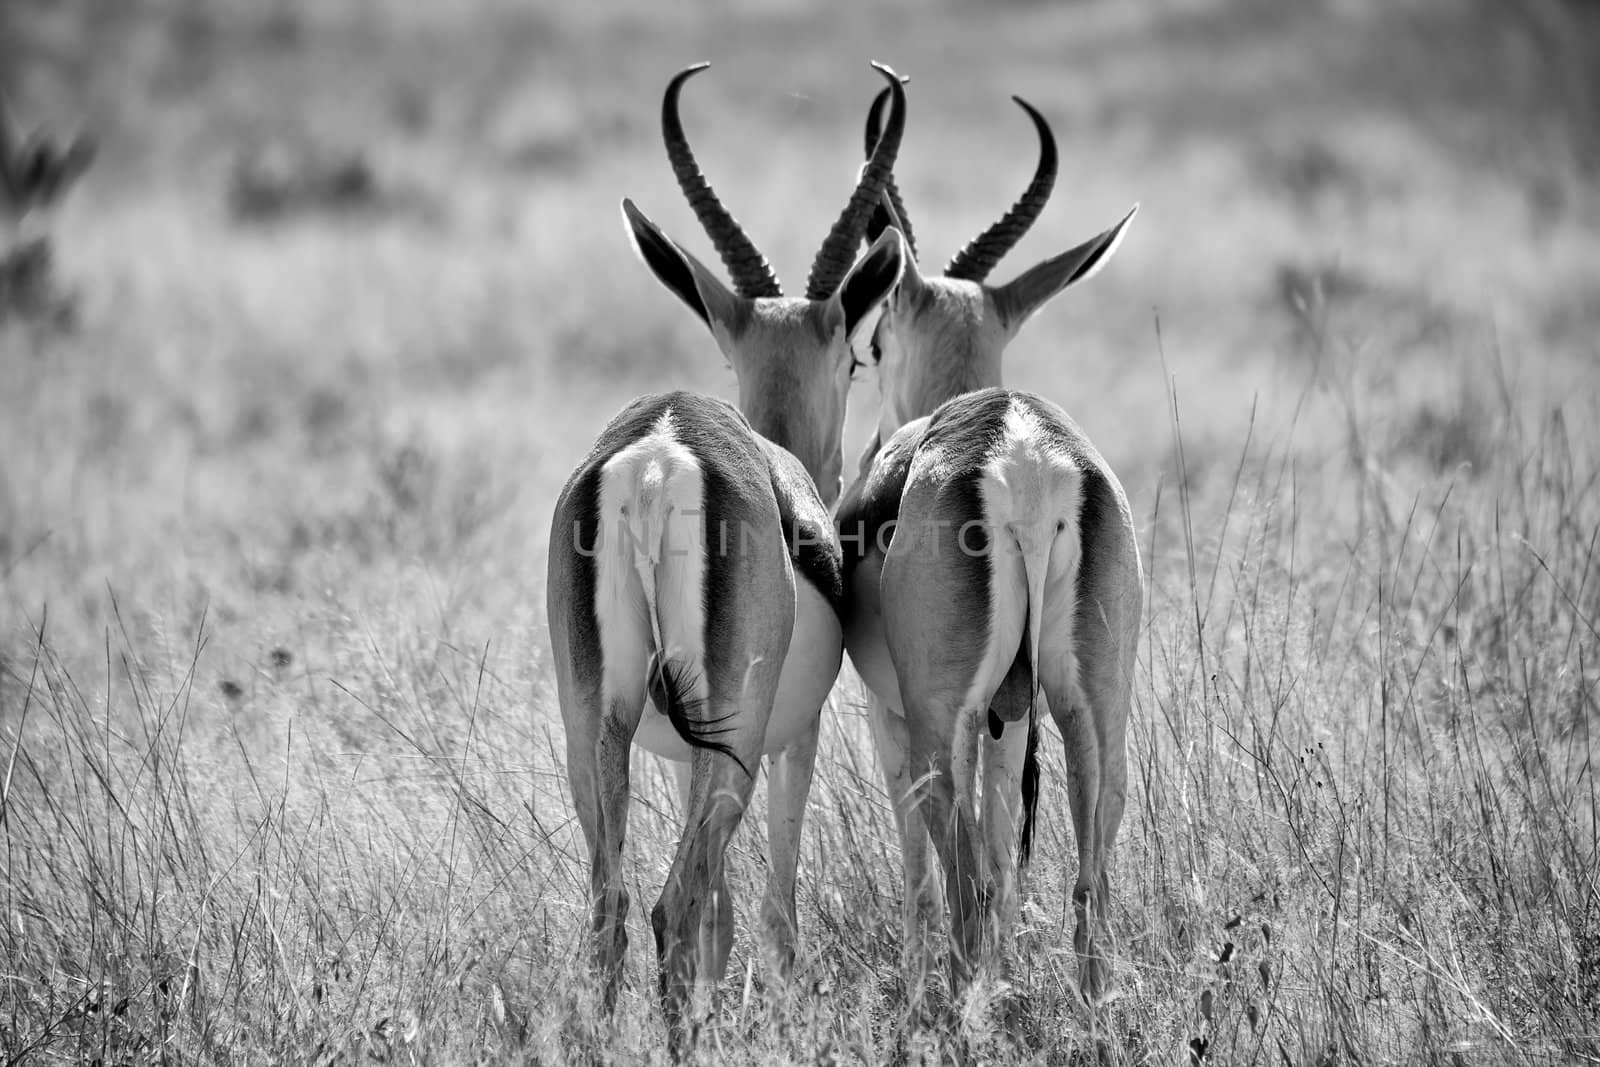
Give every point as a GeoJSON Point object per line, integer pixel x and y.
{"type": "Point", "coordinates": [989, 554]}
{"type": "Point", "coordinates": [693, 558]}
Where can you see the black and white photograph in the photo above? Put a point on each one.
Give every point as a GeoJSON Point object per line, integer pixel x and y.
{"type": "Point", "coordinates": [1057, 532]}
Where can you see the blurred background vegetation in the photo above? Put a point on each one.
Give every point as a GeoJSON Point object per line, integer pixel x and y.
{"type": "Point", "coordinates": [338, 260]}
{"type": "Point", "coordinates": [344, 296]}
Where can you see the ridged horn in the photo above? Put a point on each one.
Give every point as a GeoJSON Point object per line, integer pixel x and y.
{"type": "Point", "coordinates": [752, 275]}
{"type": "Point", "coordinates": [975, 261]}
{"type": "Point", "coordinates": [880, 220]}
{"type": "Point", "coordinates": [838, 250]}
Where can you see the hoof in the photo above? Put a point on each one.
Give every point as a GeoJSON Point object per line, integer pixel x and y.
{"type": "Point", "coordinates": [1095, 981]}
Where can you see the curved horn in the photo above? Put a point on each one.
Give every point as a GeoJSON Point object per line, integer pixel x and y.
{"type": "Point", "coordinates": [838, 250]}
{"type": "Point", "coordinates": [752, 275]}
{"type": "Point", "coordinates": [880, 218]}
{"type": "Point", "coordinates": [975, 261]}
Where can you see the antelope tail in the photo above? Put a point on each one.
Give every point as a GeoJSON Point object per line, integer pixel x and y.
{"type": "Point", "coordinates": [1035, 551]}
{"type": "Point", "coordinates": [671, 678]}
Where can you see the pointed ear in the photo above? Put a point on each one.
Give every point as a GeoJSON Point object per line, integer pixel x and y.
{"type": "Point", "coordinates": [871, 280]}
{"type": "Point", "coordinates": [1028, 292]}
{"type": "Point", "coordinates": [685, 276]}
{"type": "Point", "coordinates": [911, 286]}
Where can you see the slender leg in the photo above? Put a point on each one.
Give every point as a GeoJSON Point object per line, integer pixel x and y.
{"type": "Point", "coordinates": [744, 657]}
{"type": "Point", "coordinates": [606, 925]}
{"type": "Point", "coordinates": [1113, 785]}
{"type": "Point", "coordinates": [715, 940]}
{"type": "Point", "coordinates": [944, 742]}
{"type": "Point", "coordinates": [1094, 730]}
{"type": "Point", "coordinates": [1091, 703]}
{"type": "Point", "coordinates": [720, 794]}
{"type": "Point", "coordinates": [788, 784]}
{"type": "Point", "coordinates": [597, 767]}
{"type": "Point", "coordinates": [1076, 718]}
{"type": "Point", "coordinates": [1002, 823]}
{"type": "Point", "coordinates": [940, 661]}
{"type": "Point", "coordinates": [921, 905]}
{"type": "Point", "coordinates": [684, 781]}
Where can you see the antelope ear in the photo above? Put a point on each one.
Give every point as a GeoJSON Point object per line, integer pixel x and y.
{"type": "Point", "coordinates": [1028, 292]}
{"type": "Point", "coordinates": [870, 281]}
{"type": "Point", "coordinates": [686, 277]}
{"type": "Point", "coordinates": [911, 286]}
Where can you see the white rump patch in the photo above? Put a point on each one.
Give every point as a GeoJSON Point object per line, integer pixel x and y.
{"type": "Point", "coordinates": [650, 563]}
{"type": "Point", "coordinates": [1032, 494]}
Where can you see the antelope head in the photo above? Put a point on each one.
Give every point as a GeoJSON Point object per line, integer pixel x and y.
{"type": "Point", "coordinates": [943, 335]}
{"type": "Point", "coordinates": [791, 355]}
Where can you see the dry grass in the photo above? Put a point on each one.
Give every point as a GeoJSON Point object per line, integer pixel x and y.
{"type": "Point", "coordinates": [282, 769]}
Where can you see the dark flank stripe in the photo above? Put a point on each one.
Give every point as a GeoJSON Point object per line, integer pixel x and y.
{"type": "Point", "coordinates": [586, 528]}
{"type": "Point", "coordinates": [816, 557]}
{"type": "Point", "coordinates": [807, 530]}
{"type": "Point", "coordinates": [723, 532]}
{"type": "Point", "coordinates": [735, 477]}
{"type": "Point", "coordinates": [872, 506]}
{"type": "Point", "coordinates": [961, 502]}
{"type": "Point", "coordinates": [960, 441]}
{"type": "Point", "coordinates": [1097, 511]}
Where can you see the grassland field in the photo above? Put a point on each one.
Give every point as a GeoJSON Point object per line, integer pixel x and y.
{"type": "Point", "coordinates": [282, 766]}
